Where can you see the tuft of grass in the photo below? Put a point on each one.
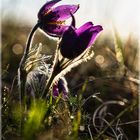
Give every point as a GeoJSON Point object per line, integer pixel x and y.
{"type": "Point", "coordinates": [118, 48]}
{"type": "Point", "coordinates": [35, 116]}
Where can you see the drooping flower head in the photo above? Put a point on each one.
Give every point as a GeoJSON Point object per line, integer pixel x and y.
{"type": "Point", "coordinates": [75, 41]}
{"type": "Point", "coordinates": [52, 18]}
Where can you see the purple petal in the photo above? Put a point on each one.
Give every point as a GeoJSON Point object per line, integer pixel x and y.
{"type": "Point", "coordinates": [60, 88]}
{"type": "Point", "coordinates": [67, 45]}
{"type": "Point", "coordinates": [86, 37]}
{"type": "Point", "coordinates": [55, 90]}
{"type": "Point", "coordinates": [45, 8]}
{"type": "Point", "coordinates": [84, 27]}
{"type": "Point", "coordinates": [94, 30]}
{"type": "Point", "coordinates": [55, 30]}
{"type": "Point", "coordinates": [76, 41]}
{"type": "Point", "coordinates": [88, 32]}
{"type": "Point", "coordinates": [62, 12]}
{"type": "Point", "coordinates": [82, 42]}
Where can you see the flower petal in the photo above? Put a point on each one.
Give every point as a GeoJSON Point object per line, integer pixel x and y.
{"type": "Point", "coordinates": [62, 12]}
{"type": "Point", "coordinates": [75, 41]}
{"type": "Point", "coordinates": [86, 37]}
{"type": "Point", "coordinates": [95, 30]}
{"type": "Point", "coordinates": [55, 30]}
{"type": "Point", "coordinates": [60, 88]}
{"type": "Point", "coordinates": [67, 44]}
{"type": "Point", "coordinates": [55, 90]}
{"type": "Point", "coordinates": [45, 8]}
{"type": "Point", "coordinates": [82, 42]}
{"type": "Point", "coordinates": [84, 27]}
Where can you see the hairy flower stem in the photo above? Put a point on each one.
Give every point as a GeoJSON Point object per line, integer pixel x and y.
{"type": "Point", "coordinates": [21, 71]}
{"type": "Point", "coordinates": [50, 80]}
{"type": "Point", "coordinates": [55, 71]}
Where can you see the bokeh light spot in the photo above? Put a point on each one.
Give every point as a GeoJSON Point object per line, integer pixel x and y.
{"type": "Point", "coordinates": [99, 59]}
{"type": "Point", "coordinates": [17, 49]}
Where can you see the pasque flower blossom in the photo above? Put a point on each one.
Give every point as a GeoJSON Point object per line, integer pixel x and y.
{"type": "Point", "coordinates": [52, 19]}
{"type": "Point", "coordinates": [76, 40]}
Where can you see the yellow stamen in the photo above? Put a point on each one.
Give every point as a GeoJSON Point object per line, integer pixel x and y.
{"type": "Point", "coordinates": [57, 22]}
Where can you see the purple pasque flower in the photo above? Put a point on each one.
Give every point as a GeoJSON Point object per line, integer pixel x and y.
{"type": "Point", "coordinates": [76, 40]}
{"type": "Point", "coordinates": [52, 19]}
{"type": "Point", "coordinates": [60, 88]}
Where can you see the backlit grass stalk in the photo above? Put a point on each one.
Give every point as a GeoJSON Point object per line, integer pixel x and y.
{"type": "Point", "coordinates": [76, 123]}
{"type": "Point", "coordinates": [129, 108]}
{"type": "Point", "coordinates": [118, 48]}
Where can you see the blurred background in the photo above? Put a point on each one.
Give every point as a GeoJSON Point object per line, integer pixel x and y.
{"type": "Point", "coordinates": [121, 14]}
{"type": "Point", "coordinates": [114, 69]}
{"type": "Point", "coordinates": [121, 17]}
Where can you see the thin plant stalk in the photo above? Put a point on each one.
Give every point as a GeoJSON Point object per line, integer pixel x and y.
{"type": "Point", "coordinates": [21, 71]}
{"type": "Point", "coordinates": [129, 108]}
